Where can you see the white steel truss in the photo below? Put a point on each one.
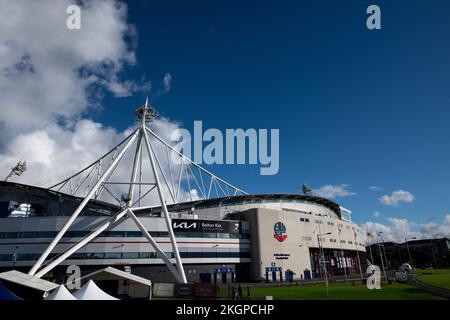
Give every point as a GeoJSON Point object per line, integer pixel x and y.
{"type": "Point", "coordinates": [173, 176]}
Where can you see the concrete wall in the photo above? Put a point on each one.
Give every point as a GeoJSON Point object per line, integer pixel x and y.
{"type": "Point", "coordinates": [301, 236]}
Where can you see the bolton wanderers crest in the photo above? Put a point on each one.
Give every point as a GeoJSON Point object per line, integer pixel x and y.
{"type": "Point", "coordinates": [279, 231]}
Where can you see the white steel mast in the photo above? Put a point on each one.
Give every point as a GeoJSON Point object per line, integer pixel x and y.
{"type": "Point", "coordinates": [100, 172]}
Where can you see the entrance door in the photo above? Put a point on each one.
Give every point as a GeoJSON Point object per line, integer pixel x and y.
{"type": "Point", "coordinates": [274, 276]}
{"type": "Point", "coordinates": [224, 277]}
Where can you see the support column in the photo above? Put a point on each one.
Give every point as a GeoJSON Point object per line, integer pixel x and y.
{"type": "Point", "coordinates": [81, 206]}
{"type": "Point", "coordinates": [166, 212]}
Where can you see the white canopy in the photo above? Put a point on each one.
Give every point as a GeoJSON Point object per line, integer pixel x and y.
{"type": "Point", "coordinates": [90, 291]}
{"type": "Point", "coordinates": [28, 281]}
{"type": "Point", "coordinates": [61, 293]}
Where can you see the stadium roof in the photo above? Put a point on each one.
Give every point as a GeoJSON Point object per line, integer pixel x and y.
{"type": "Point", "coordinates": [186, 205]}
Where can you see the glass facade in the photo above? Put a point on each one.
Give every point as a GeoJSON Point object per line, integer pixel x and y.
{"type": "Point", "coordinates": [122, 234]}
{"type": "Point", "coordinates": [130, 255]}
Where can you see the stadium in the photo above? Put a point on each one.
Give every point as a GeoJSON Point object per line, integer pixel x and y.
{"type": "Point", "coordinates": [220, 240]}
{"type": "Point", "coordinates": [100, 218]}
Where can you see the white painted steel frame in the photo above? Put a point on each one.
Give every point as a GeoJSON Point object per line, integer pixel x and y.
{"type": "Point", "coordinates": [145, 113]}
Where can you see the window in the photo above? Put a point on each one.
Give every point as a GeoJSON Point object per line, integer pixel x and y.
{"type": "Point", "coordinates": [113, 255]}
{"type": "Point", "coordinates": [350, 242]}
{"type": "Point", "coordinates": [181, 234]}
{"type": "Point", "coordinates": [113, 234]}
{"type": "Point", "coordinates": [24, 257]}
{"type": "Point", "coordinates": [147, 255]}
{"type": "Point", "coordinates": [194, 254]}
{"type": "Point", "coordinates": [342, 241]}
{"type": "Point", "coordinates": [135, 234]}
{"type": "Point", "coordinates": [319, 222]}
{"type": "Point", "coordinates": [77, 256]}
{"type": "Point", "coordinates": [210, 254]}
{"type": "Point", "coordinates": [29, 234]}
{"type": "Point", "coordinates": [75, 234]}
{"type": "Point", "coordinates": [46, 234]}
{"type": "Point", "coordinates": [244, 254]}
{"type": "Point", "coordinates": [330, 223]}
{"type": "Point", "coordinates": [159, 234]}
{"type": "Point", "coordinates": [210, 235]}
{"type": "Point", "coordinates": [195, 235]}
{"type": "Point", "coordinates": [98, 255]}
{"type": "Point", "coordinates": [9, 235]}
{"type": "Point", "coordinates": [130, 255]}
{"type": "Point", "coordinates": [6, 257]}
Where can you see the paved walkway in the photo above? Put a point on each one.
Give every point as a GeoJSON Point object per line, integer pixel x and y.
{"type": "Point", "coordinates": [428, 287]}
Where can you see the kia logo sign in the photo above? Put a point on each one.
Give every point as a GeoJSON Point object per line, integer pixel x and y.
{"type": "Point", "coordinates": [185, 225]}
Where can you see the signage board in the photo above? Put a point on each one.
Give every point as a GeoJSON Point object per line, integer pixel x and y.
{"type": "Point", "coordinates": [273, 269]}
{"type": "Point", "coordinates": [194, 225]}
{"type": "Point", "coordinates": [223, 270]}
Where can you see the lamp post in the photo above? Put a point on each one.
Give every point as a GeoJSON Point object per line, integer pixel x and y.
{"type": "Point", "coordinates": [432, 252]}
{"type": "Point", "coordinates": [409, 253]}
{"type": "Point", "coordinates": [322, 259]}
{"type": "Point", "coordinates": [371, 255]}
{"type": "Point", "coordinates": [386, 261]}
{"type": "Point", "coordinates": [381, 255]}
{"type": "Point", "coordinates": [15, 256]}
{"type": "Point", "coordinates": [357, 254]}
{"type": "Point", "coordinates": [342, 254]}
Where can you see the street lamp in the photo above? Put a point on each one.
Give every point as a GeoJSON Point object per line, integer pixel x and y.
{"type": "Point", "coordinates": [381, 255]}
{"type": "Point", "coordinates": [342, 254]}
{"type": "Point", "coordinates": [15, 256]}
{"type": "Point", "coordinates": [322, 259]}
{"type": "Point", "coordinates": [432, 252]}
{"type": "Point", "coordinates": [409, 253]}
{"type": "Point", "coordinates": [18, 170]}
{"type": "Point", "coordinates": [357, 254]}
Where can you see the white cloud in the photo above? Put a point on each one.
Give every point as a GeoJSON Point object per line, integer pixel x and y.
{"type": "Point", "coordinates": [333, 191]}
{"type": "Point", "coordinates": [396, 197]}
{"type": "Point", "coordinates": [51, 77]}
{"type": "Point", "coordinates": [167, 83]}
{"type": "Point", "coordinates": [48, 72]}
{"type": "Point", "coordinates": [375, 188]}
{"type": "Point", "coordinates": [435, 230]}
{"type": "Point", "coordinates": [376, 214]}
{"type": "Point", "coordinates": [398, 229]}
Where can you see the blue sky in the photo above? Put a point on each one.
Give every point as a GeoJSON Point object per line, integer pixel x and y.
{"type": "Point", "coordinates": [358, 107]}
{"type": "Point", "coordinates": [355, 108]}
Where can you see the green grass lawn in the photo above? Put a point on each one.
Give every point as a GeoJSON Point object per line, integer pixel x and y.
{"type": "Point", "coordinates": [436, 277]}
{"type": "Point", "coordinates": [395, 291]}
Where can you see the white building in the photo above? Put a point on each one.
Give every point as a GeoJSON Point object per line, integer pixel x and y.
{"type": "Point", "coordinates": [240, 238]}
